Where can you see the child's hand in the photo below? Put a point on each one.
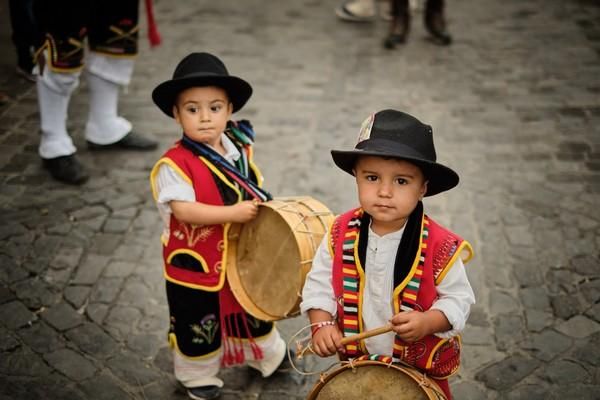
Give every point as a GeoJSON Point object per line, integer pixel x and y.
{"type": "Point", "coordinates": [327, 341]}
{"type": "Point", "coordinates": [411, 325]}
{"type": "Point", "coordinates": [245, 211]}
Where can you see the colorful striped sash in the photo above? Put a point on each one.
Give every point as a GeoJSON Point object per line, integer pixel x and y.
{"type": "Point", "coordinates": [351, 280]}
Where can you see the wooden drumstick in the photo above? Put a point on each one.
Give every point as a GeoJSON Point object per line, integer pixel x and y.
{"type": "Point", "coordinates": [300, 351]}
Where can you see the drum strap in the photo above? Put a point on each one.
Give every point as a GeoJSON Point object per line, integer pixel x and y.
{"type": "Point", "coordinates": [242, 179]}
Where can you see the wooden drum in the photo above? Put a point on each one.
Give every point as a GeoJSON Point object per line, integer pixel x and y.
{"type": "Point", "coordinates": [268, 258]}
{"type": "Point", "coordinates": [375, 380]}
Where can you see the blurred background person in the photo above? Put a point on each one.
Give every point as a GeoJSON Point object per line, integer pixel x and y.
{"type": "Point", "coordinates": [110, 29]}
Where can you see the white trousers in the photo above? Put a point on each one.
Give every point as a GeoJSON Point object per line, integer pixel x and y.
{"type": "Point", "coordinates": [203, 371]}
{"type": "Point", "coordinates": [104, 75]}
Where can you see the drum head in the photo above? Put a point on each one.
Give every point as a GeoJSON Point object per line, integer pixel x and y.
{"type": "Point", "coordinates": [268, 262]}
{"type": "Point", "coordinates": [371, 382]}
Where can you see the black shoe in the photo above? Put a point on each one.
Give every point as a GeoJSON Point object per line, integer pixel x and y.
{"type": "Point", "coordinates": [436, 26]}
{"type": "Point", "coordinates": [66, 169]}
{"type": "Point", "coordinates": [392, 40]}
{"type": "Point", "coordinates": [399, 25]}
{"type": "Point", "coordinates": [204, 392]}
{"type": "Point", "coordinates": [131, 141]}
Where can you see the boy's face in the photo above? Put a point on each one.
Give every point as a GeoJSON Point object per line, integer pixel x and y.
{"type": "Point", "coordinates": [203, 112]}
{"type": "Point", "coordinates": [389, 190]}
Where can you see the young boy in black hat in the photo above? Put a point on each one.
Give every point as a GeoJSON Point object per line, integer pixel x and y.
{"type": "Point", "coordinates": [206, 181]}
{"type": "Point", "coordinates": [387, 262]}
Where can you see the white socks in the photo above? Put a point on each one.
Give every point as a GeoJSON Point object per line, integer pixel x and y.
{"type": "Point", "coordinates": [54, 92]}
{"type": "Point", "coordinates": [104, 125]}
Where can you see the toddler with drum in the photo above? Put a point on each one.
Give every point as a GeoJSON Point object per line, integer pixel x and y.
{"type": "Point", "coordinates": [387, 262]}
{"type": "Point", "coordinates": [203, 183]}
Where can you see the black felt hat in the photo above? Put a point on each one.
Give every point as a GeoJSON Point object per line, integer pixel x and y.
{"type": "Point", "coordinates": [391, 133]}
{"type": "Point", "coordinates": [201, 69]}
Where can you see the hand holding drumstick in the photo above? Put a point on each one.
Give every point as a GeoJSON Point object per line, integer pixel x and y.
{"type": "Point", "coordinates": [327, 338]}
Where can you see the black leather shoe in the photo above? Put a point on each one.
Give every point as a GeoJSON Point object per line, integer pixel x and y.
{"type": "Point", "coordinates": [399, 25]}
{"type": "Point", "coordinates": [204, 392]}
{"type": "Point", "coordinates": [131, 141]}
{"type": "Point", "coordinates": [66, 169]}
{"type": "Point", "coordinates": [438, 31]}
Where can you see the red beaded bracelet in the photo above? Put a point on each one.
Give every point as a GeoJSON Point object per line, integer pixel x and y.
{"type": "Point", "coordinates": [318, 325]}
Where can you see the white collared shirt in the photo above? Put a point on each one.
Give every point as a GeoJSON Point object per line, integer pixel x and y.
{"type": "Point", "coordinates": [170, 185]}
{"type": "Point", "coordinates": [455, 295]}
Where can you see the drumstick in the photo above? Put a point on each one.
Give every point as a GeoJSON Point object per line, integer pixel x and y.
{"type": "Point", "coordinates": [300, 351]}
{"type": "Point", "coordinates": [367, 334]}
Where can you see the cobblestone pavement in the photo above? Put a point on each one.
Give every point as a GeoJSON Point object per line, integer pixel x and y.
{"type": "Point", "coordinates": [515, 105]}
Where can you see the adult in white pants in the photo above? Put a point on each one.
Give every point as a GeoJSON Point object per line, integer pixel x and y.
{"type": "Point", "coordinates": [110, 28]}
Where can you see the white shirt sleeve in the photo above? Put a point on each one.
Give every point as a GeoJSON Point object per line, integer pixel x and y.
{"type": "Point", "coordinates": [171, 186]}
{"type": "Point", "coordinates": [455, 297]}
{"type": "Point", "coordinates": [318, 290]}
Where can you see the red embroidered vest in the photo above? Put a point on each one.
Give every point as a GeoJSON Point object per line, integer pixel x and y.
{"type": "Point", "coordinates": [438, 249]}
{"type": "Point", "coordinates": [195, 255]}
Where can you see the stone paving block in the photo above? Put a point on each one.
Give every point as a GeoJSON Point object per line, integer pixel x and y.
{"type": "Point", "coordinates": [119, 269]}
{"type": "Point", "coordinates": [77, 296]}
{"type": "Point", "coordinates": [146, 345]}
{"type": "Point", "coordinates": [125, 200]}
{"type": "Point", "coordinates": [503, 303]}
{"type": "Point", "coordinates": [537, 320]}
{"type": "Point", "coordinates": [590, 289]}
{"type": "Point", "coordinates": [66, 257]}
{"type": "Point", "coordinates": [529, 392]}
{"type": "Point", "coordinates": [11, 271]}
{"type": "Point", "coordinates": [71, 364]}
{"type": "Point", "coordinates": [97, 312]}
{"type": "Point", "coordinates": [41, 338]}
{"type": "Point", "coordinates": [535, 298]}
{"type": "Point", "coordinates": [121, 321]}
{"type": "Point", "coordinates": [58, 278]}
{"type": "Point", "coordinates": [508, 372]}
{"type": "Point", "coordinates": [579, 327]}
{"type": "Point", "coordinates": [547, 345]}
{"type": "Point", "coordinates": [465, 391]}
{"type": "Point", "coordinates": [128, 367]}
{"type": "Point", "coordinates": [88, 212]}
{"type": "Point", "coordinates": [106, 290]}
{"type": "Point", "coordinates": [9, 340]}
{"type": "Point", "coordinates": [105, 243]}
{"type": "Point", "coordinates": [116, 225]}
{"type": "Point", "coordinates": [15, 315]}
{"type": "Point", "coordinates": [23, 362]}
{"type": "Point", "coordinates": [93, 340]}
{"type": "Point", "coordinates": [62, 316]}
{"type": "Point", "coordinates": [508, 329]}
{"type": "Point", "coordinates": [90, 269]}
{"type": "Point", "coordinates": [5, 295]}
{"type": "Point", "coordinates": [594, 312]}
{"type": "Point", "coordinates": [563, 372]}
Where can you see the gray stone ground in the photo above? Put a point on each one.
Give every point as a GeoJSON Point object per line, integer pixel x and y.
{"type": "Point", "coordinates": [515, 105]}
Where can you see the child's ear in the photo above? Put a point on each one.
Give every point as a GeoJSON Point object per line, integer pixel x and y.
{"type": "Point", "coordinates": [176, 114]}
{"type": "Point", "coordinates": [423, 189]}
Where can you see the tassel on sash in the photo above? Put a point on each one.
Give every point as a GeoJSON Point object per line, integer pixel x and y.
{"type": "Point", "coordinates": [232, 314]}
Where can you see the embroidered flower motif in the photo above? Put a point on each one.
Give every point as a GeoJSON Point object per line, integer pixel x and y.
{"type": "Point", "coordinates": [221, 245]}
{"type": "Point", "coordinates": [218, 266]}
{"type": "Point", "coordinates": [205, 331]}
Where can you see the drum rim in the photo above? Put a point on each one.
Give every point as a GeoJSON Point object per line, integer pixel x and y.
{"type": "Point", "coordinates": [410, 371]}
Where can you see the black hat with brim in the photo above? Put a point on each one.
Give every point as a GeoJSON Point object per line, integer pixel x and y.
{"type": "Point", "coordinates": [394, 134]}
{"type": "Point", "coordinates": [201, 69]}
